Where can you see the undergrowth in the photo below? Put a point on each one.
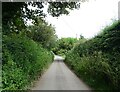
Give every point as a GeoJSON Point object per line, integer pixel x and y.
{"type": "Point", "coordinates": [23, 61]}
{"type": "Point", "coordinates": [97, 61]}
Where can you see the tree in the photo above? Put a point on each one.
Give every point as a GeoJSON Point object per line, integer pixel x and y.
{"type": "Point", "coordinates": [15, 14]}
{"type": "Point", "coordinates": [64, 45]}
{"type": "Point", "coordinates": [58, 8]}
{"type": "Point", "coordinates": [43, 33]}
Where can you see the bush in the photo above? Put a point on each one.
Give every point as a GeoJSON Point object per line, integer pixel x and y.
{"type": "Point", "coordinates": [96, 61]}
{"type": "Point", "coordinates": [23, 61]}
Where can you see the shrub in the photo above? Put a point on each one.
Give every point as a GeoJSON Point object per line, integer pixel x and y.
{"type": "Point", "coordinates": [23, 61]}
{"type": "Point", "coordinates": [97, 60]}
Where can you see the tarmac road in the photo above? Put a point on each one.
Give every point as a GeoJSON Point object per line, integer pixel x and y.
{"type": "Point", "coordinates": [59, 77]}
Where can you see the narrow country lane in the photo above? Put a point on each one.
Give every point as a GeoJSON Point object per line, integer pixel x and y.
{"type": "Point", "coordinates": [59, 77]}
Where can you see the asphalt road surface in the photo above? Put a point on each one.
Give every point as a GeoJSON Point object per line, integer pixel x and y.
{"type": "Point", "coordinates": [59, 77]}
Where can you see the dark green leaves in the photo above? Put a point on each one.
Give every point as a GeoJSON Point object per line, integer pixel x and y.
{"type": "Point", "coordinates": [23, 61]}
{"type": "Point", "coordinates": [97, 60]}
{"type": "Point", "coordinates": [58, 8]}
{"type": "Point", "coordinates": [42, 33]}
{"type": "Point", "coordinates": [16, 14]}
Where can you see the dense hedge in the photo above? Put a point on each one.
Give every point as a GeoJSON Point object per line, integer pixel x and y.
{"type": "Point", "coordinates": [97, 61]}
{"type": "Point", "coordinates": [23, 61]}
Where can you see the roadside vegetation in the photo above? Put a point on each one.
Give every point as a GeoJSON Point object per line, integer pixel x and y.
{"type": "Point", "coordinates": [64, 45]}
{"type": "Point", "coordinates": [97, 60]}
{"type": "Point", "coordinates": [26, 49]}
{"type": "Point", "coordinates": [26, 55]}
{"type": "Point", "coordinates": [23, 61]}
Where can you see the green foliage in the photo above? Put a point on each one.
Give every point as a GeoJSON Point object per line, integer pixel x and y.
{"type": "Point", "coordinates": [13, 77]}
{"type": "Point", "coordinates": [58, 8]}
{"type": "Point", "coordinates": [42, 33]}
{"type": "Point", "coordinates": [63, 45]}
{"type": "Point", "coordinates": [23, 58]}
{"type": "Point", "coordinates": [15, 14]}
{"type": "Point", "coordinates": [23, 61]}
{"type": "Point", "coordinates": [97, 60]}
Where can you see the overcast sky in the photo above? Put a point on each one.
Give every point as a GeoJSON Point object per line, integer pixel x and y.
{"type": "Point", "coordinates": [88, 20]}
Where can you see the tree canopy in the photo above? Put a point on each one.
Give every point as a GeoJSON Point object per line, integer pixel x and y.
{"type": "Point", "coordinates": [15, 14]}
{"type": "Point", "coordinates": [42, 33]}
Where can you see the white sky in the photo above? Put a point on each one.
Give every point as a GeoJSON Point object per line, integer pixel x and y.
{"type": "Point", "coordinates": [88, 20]}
